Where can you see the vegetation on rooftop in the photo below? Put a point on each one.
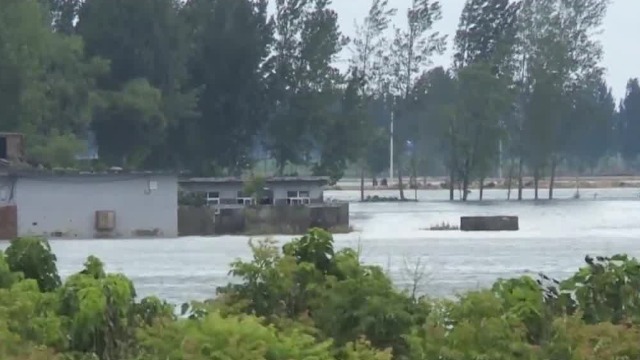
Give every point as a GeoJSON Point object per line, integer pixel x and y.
{"type": "Point", "coordinates": [309, 300]}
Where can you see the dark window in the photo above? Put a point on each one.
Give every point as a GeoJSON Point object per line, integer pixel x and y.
{"type": "Point", "coordinates": [3, 147]}
{"type": "Point", "coordinates": [292, 194]}
{"type": "Point", "coordinates": [213, 195]}
{"type": "Point", "coordinates": [304, 194]}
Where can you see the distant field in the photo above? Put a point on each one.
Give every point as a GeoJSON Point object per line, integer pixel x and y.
{"type": "Point", "coordinates": [601, 182]}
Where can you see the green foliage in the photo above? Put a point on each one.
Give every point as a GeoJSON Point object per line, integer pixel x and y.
{"type": "Point", "coordinates": [55, 150]}
{"type": "Point", "coordinates": [312, 302]}
{"type": "Point", "coordinates": [34, 258]}
{"type": "Point", "coordinates": [255, 187]}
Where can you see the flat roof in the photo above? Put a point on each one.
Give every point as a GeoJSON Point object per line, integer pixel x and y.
{"type": "Point", "coordinates": [35, 172]}
{"type": "Point", "coordinates": [275, 179]}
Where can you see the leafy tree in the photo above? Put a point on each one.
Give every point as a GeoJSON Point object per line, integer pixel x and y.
{"type": "Point", "coordinates": [344, 135]}
{"type": "Point", "coordinates": [409, 54]}
{"type": "Point", "coordinates": [369, 62]}
{"type": "Point", "coordinates": [629, 121]}
{"type": "Point", "coordinates": [435, 96]}
{"type": "Point", "coordinates": [230, 42]}
{"type": "Point", "coordinates": [559, 47]}
{"type": "Point", "coordinates": [25, 36]}
{"type": "Point", "coordinates": [34, 259]}
{"type": "Point", "coordinates": [130, 123]}
{"type": "Point", "coordinates": [302, 79]}
{"type": "Point", "coordinates": [593, 112]}
{"type": "Point", "coordinates": [485, 38]}
{"type": "Point", "coordinates": [146, 65]}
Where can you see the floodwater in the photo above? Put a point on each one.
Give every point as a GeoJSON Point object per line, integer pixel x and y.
{"type": "Point", "coordinates": [554, 238]}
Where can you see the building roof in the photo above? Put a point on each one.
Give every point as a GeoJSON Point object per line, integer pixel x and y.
{"type": "Point", "coordinates": [26, 171]}
{"type": "Point", "coordinates": [270, 180]}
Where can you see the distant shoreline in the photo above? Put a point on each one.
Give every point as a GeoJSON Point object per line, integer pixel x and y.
{"type": "Point", "coordinates": [603, 182]}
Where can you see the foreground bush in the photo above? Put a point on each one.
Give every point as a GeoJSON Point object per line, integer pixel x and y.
{"type": "Point", "coordinates": [308, 301]}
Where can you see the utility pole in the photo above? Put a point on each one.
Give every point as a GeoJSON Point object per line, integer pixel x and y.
{"type": "Point", "coordinates": [393, 109]}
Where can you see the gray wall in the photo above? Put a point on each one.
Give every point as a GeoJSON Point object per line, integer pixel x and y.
{"type": "Point", "coordinates": [227, 191]}
{"type": "Point", "coordinates": [230, 191]}
{"type": "Point", "coordinates": [280, 189]}
{"type": "Point", "coordinates": [67, 204]}
{"type": "Point", "coordinates": [6, 188]}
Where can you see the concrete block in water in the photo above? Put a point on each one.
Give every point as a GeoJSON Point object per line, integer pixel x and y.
{"type": "Point", "coordinates": [489, 223]}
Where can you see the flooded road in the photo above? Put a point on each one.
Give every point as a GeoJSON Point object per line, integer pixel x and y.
{"type": "Point", "coordinates": [554, 238]}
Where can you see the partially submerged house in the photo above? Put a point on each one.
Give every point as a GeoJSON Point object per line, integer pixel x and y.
{"type": "Point", "coordinates": [83, 205]}
{"type": "Point", "coordinates": [230, 192]}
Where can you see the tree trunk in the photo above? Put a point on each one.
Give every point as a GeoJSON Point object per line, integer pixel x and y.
{"type": "Point", "coordinates": [362, 183]}
{"type": "Point", "coordinates": [554, 163]}
{"type": "Point", "coordinates": [510, 179]}
{"type": "Point", "coordinates": [536, 179]}
{"type": "Point", "coordinates": [452, 182]}
{"type": "Point", "coordinates": [400, 185]}
{"type": "Point", "coordinates": [465, 187]}
{"type": "Point", "coordinates": [520, 184]}
{"type": "Point", "coordinates": [481, 187]}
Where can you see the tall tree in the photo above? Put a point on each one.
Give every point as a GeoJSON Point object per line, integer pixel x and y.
{"type": "Point", "coordinates": [146, 40]}
{"type": "Point", "coordinates": [559, 43]}
{"type": "Point", "coordinates": [344, 134]}
{"type": "Point", "coordinates": [230, 41]}
{"type": "Point", "coordinates": [302, 78]}
{"type": "Point", "coordinates": [485, 40]}
{"type": "Point", "coordinates": [629, 121]}
{"type": "Point", "coordinates": [23, 55]}
{"type": "Point", "coordinates": [592, 113]}
{"type": "Point", "coordinates": [368, 60]}
{"type": "Point", "coordinates": [410, 54]}
{"type": "Point", "coordinates": [435, 99]}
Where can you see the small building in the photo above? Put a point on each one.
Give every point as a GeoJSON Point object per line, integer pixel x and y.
{"type": "Point", "coordinates": [87, 205]}
{"type": "Point", "coordinates": [229, 192]}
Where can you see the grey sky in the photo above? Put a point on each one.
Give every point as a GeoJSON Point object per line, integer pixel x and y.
{"type": "Point", "coordinates": [621, 53]}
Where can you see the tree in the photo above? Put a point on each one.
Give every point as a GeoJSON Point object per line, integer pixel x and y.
{"type": "Point", "coordinates": [482, 99]}
{"type": "Point", "coordinates": [34, 259]}
{"type": "Point", "coordinates": [230, 42]}
{"type": "Point", "coordinates": [25, 38]}
{"type": "Point", "coordinates": [485, 39]}
{"type": "Point", "coordinates": [558, 44]}
{"type": "Point", "coordinates": [409, 54]}
{"type": "Point", "coordinates": [138, 55]}
{"type": "Point", "coordinates": [368, 61]}
{"type": "Point", "coordinates": [302, 78]}
{"type": "Point", "coordinates": [433, 101]}
{"type": "Point", "coordinates": [629, 121]}
{"type": "Point", "coordinates": [593, 113]}
{"type": "Point", "coordinates": [344, 135]}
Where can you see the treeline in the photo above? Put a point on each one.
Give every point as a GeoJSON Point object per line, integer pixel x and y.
{"type": "Point", "coordinates": [310, 301]}
{"type": "Point", "coordinates": [199, 85]}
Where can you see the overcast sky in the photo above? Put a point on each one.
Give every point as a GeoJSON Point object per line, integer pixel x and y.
{"type": "Point", "coordinates": [620, 38]}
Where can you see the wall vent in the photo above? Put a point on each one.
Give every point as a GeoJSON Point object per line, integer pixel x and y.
{"type": "Point", "coordinates": [105, 220]}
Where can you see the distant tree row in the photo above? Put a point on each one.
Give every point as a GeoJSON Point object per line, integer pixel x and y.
{"type": "Point", "coordinates": [199, 84]}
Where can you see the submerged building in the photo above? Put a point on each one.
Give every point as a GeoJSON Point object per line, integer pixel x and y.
{"type": "Point", "coordinates": [83, 205]}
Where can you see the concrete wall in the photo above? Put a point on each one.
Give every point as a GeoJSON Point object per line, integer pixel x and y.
{"type": "Point", "coordinates": [65, 206]}
{"type": "Point", "coordinates": [263, 220]}
{"type": "Point", "coordinates": [280, 189]}
{"type": "Point", "coordinates": [7, 191]}
{"type": "Point", "coordinates": [227, 191]}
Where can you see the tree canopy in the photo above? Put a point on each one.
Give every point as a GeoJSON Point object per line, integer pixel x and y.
{"type": "Point", "coordinates": [216, 86]}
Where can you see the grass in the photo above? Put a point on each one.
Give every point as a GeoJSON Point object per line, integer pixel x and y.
{"type": "Point", "coordinates": [444, 226]}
